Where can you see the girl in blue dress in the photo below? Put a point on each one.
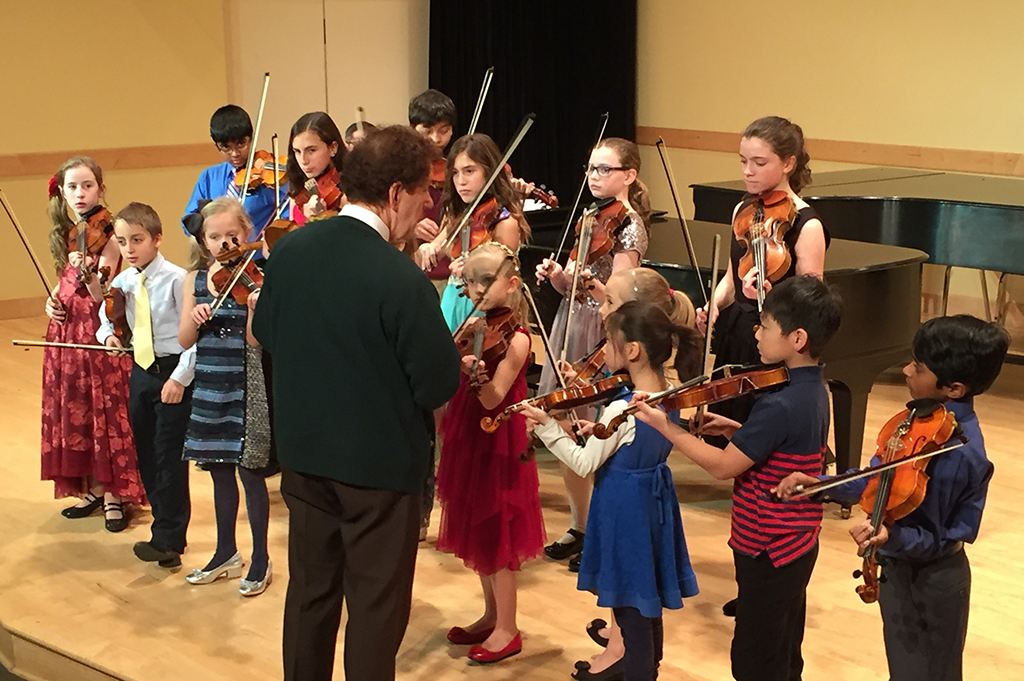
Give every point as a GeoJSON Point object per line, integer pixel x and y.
{"type": "Point", "coordinates": [635, 556]}
{"type": "Point", "coordinates": [229, 430]}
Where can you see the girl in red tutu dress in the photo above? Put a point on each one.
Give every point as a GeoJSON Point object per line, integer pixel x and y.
{"type": "Point", "coordinates": [488, 489]}
{"type": "Point", "coordinates": [87, 445]}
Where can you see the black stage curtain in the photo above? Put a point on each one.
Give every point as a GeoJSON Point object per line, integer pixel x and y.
{"type": "Point", "coordinates": [566, 61]}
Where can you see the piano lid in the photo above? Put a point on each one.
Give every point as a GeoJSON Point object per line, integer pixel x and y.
{"type": "Point", "coordinates": [960, 220]}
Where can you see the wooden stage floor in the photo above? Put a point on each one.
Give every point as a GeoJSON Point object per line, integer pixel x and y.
{"type": "Point", "coordinates": [76, 604]}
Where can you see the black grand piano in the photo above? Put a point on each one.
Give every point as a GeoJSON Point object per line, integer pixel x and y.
{"type": "Point", "coordinates": [958, 220]}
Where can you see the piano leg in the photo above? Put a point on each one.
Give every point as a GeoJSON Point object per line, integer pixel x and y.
{"type": "Point", "coordinates": [849, 408]}
{"type": "Point", "coordinates": [945, 288]}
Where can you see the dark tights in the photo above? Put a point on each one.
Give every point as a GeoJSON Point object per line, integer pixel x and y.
{"type": "Point", "coordinates": [225, 503]}
{"type": "Point", "coordinates": [643, 638]}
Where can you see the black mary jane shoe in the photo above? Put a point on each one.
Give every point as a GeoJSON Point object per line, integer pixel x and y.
{"type": "Point", "coordinates": [94, 504]}
{"type": "Point", "coordinates": [614, 673]}
{"type": "Point", "coordinates": [574, 563]}
{"type": "Point", "coordinates": [559, 551]}
{"type": "Point", "coordinates": [115, 524]}
{"type": "Point", "coordinates": [594, 632]}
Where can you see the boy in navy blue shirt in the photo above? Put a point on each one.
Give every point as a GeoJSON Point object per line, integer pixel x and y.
{"type": "Point", "coordinates": [774, 543]}
{"type": "Point", "coordinates": [925, 595]}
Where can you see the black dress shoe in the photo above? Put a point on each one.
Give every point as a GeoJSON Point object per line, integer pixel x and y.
{"type": "Point", "coordinates": [574, 563]}
{"type": "Point", "coordinates": [729, 609]}
{"type": "Point", "coordinates": [559, 551]}
{"type": "Point", "coordinates": [154, 552]}
{"type": "Point", "coordinates": [594, 632]}
{"type": "Point", "coordinates": [614, 673]}
{"type": "Point", "coordinates": [115, 524]}
{"type": "Point", "coordinates": [84, 511]}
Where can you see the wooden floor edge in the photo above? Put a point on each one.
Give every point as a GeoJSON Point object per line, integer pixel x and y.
{"type": "Point", "coordinates": [34, 660]}
{"type": "Point", "coordinates": [18, 308]}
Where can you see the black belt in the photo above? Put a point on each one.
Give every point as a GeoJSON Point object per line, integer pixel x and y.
{"type": "Point", "coordinates": [922, 562]}
{"type": "Point", "coordinates": [163, 364]}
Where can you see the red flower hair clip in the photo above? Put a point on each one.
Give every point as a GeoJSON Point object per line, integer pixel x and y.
{"type": "Point", "coordinates": [54, 187]}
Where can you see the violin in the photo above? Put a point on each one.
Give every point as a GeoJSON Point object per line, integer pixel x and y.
{"type": "Point", "coordinates": [485, 217]}
{"type": "Point", "coordinates": [607, 221]}
{"type": "Point", "coordinates": [438, 172]}
{"type": "Point", "coordinates": [760, 226]}
{"type": "Point", "coordinates": [325, 188]}
{"type": "Point", "coordinates": [90, 237]}
{"type": "Point", "coordinates": [590, 366]}
{"type": "Point", "coordinates": [567, 398]}
{"type": "Point", "coordinates": [266, 172]}
{"type": "Point", "coordinates": [277, 229]}
{"type": "Point", "coordinates": [114, 307]}
{"type": "Point", "coordinates": [924, 426]}
{"type": "Point", "coordinates": [687, 396]}
{"type": "Point", "coordinates": [539, 193]}
{"type": "Point", "coordinates": [246, 281]}
{"type": "Point", "coordinates": [487, 338]}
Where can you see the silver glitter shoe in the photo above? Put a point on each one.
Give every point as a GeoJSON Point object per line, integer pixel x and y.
{"type": "Point", "coordinates": [250, 588]}
{"type": "Point", "coordinates": [231, 568]}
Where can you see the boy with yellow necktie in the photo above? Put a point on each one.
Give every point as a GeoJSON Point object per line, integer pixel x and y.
{"type": "Point", "coordinates": [160, 396]}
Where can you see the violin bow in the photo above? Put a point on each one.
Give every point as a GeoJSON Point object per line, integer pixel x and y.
{"type": "Point", "coordinates": [551, 357]}
{"type": "Point", "coordinates": [586, 230]}
{"type": "Point", "coordinates": [226, 293]}
{"type": "Point", "coordinates": [277, 184]}
{"type": "Point", "coordinates": [359, 120]}
{"type": "Point", "coordinates": [682, 220]}
{"type": "Point", "coordinates": [73, 346]}
{"type": "Point", "coordinates": [255, 136]}
{"type": "Point", "coordinates": [801, 491]}
{"type": "Point", "coordinates": [467, 214]}
{"type": "Point", "coordinates": [708, 369]}
{"type": "Point", "coordinates": [579, 195]}
{"type": "Point", "coordinates": [484, 87]}
{"type": "Point", "coordinates": [28, 246]}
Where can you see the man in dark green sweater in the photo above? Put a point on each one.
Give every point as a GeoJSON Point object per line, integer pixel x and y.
{"type": "Point", "coordinates": [361, 356]}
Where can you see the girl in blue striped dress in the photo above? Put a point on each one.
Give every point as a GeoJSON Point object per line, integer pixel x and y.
{"type": "Point", "coordinates": [229, 429]}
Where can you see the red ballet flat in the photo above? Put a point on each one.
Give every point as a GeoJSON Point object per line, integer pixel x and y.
{"type": "Point", "coordinates": [461, 637]}
{"type": "Point", "coordinates": [484, 656]}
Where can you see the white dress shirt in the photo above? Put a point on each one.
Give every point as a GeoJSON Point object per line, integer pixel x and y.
{"type": "Point", "coordinates": [367, 216]}
{"type": "Point", "coordinates": [165, 285]}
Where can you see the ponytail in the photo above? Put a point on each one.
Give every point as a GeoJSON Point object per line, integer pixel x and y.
{"type": "Point", "coordinates": [640, 200]}
{"type": "Point", "coordinates": [58, 209]}
{"type": "Point", "coordinates": [649, 325]}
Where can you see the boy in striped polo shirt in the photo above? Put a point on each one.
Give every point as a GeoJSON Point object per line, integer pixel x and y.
{"type": "Point", "coordinates": [775, 543]}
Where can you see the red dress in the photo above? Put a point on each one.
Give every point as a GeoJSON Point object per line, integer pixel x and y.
{"type": "Point", "coordinates": [86, 430]}
{"type": "Point", "coordinates": [490, 502]}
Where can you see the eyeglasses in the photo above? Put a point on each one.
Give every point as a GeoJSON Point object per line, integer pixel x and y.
{"type": "Point", "coordinates": [233, 147]}
{"type": "Point", "coordinates": [602, 171]}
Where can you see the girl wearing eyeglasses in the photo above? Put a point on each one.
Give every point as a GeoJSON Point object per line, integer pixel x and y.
{"type": "Point", "coordinates": [611, 173]}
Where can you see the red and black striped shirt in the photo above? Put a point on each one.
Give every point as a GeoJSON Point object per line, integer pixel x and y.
{"type": "Point", "coordinates": [787, 431]}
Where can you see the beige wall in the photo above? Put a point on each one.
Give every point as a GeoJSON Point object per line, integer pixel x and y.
{"type": "Point", "coordinates": [934, 73]}
{"type": "Point", "coordinates": [137, 73]}
{"type": "Point", "coordinates": [376, 58]}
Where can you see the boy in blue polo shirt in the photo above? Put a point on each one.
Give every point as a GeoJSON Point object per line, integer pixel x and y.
{"type": "Point", "coordinates": [925, 595]}
{"type": "Point", "coordinates": [774, 543]}
{"type": "Point", "coordinates": [231, 130]}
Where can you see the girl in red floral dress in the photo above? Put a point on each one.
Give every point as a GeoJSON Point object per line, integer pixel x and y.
{"type": "Point", "coordinates": [87, 446]}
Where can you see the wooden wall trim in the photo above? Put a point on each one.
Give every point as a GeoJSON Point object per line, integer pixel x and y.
{"type": "Point", "coordinates": [117, 158]}
{"type": "Point", "coordinates": [865, 153]}
{"type": "Point", "coordinates": [18, 308]}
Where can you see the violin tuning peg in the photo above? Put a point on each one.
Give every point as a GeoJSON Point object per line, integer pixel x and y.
{"type": "Point", "coordinates": [857, 574]}
{"type": "Point", "coordinates": [882, 579]}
